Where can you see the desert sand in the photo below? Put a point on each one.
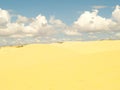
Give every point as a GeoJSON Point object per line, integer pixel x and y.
{"type": "Point", "coordinates": [91, 65]}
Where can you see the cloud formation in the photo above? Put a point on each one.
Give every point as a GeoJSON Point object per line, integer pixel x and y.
{"type": "Point", "coordinates": [26, 27]}
{"type": "Point", "coordinates": [39, 26]}
{"type": "Point", "coordinates": [91, 21]}
{"type": "Point", "coordinates": [116, 14]}
{"type": "Point", "coordinates": [4, 17]}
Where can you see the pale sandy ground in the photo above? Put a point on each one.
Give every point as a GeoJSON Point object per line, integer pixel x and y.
{"type": "Point", "coordinates": [67, 66]}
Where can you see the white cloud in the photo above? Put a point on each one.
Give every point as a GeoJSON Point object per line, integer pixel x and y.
{"type": "Point", "coordinates": [91, 21]}
{"type": "Point", "coordinates": [39, 26]}
{"type": "Point", "coordinates": [71, 31]}
{"type": "Point", "coordinates": [23, 19]}
{"type": "Point", "coordinates": [36, 25]}
{"type": "Point", "coordinates": [99, 6]}
{"type": "Point", "coordinates": [116, 14]}
{"type": "Point", "coordinates": [23, 26]}
{"type": "Point", "coordinates": [4, 18]}
{"type": "Point", "coordinates": [10, 29]}
{"type": "Point", "coordinates": [56, 22]}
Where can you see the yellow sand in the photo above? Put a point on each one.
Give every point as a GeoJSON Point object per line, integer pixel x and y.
{"type": "Point", "coordinates": [67, 66]}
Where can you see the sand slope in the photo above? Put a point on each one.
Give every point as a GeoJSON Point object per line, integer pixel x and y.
{"type": "Point", "coordinates": [67, 66]}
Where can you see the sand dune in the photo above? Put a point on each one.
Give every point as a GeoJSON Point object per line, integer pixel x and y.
{"type": "Point", "coordinates": [67, 66]}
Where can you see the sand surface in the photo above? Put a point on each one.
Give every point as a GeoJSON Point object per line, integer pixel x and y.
{"type": "Point", "coordinates": [66, 66]}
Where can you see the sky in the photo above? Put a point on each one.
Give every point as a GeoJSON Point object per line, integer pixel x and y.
{"type": "Point", "coordinates": [23, 21]}
{"type": "Point", "coordinates": [66, 10]}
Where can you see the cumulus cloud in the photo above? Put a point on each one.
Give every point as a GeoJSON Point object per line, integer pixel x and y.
{"type": "Point", "coordinates": [39, 23]}
{"type": "Point", "coordinates": [116, 14]}
{"type": "Point", "coordinates": [91, 21]}
{"type": "Point", "coordinates": [39, 26]}
{"type": "Point", "coordinates": [23, 26]}
{"type": "Point", "coordinates": [4, 18]}
{"type": "Point", "coordinates": [10, 29]}
{"type": "Point", "coordinates": [57, 22]}
{"type": "Point", "coordinates": [23, 19]}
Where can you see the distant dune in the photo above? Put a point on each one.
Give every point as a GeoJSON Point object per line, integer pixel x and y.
{"type": "Point", "coordinates": [66, 66]}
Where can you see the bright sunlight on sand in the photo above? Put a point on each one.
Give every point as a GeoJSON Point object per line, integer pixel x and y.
{"type": "Point", "coordinates": [68, 66]}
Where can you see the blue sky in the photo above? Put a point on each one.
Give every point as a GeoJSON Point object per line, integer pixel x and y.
{"type": "Point", "coordinates": [66, 10]}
